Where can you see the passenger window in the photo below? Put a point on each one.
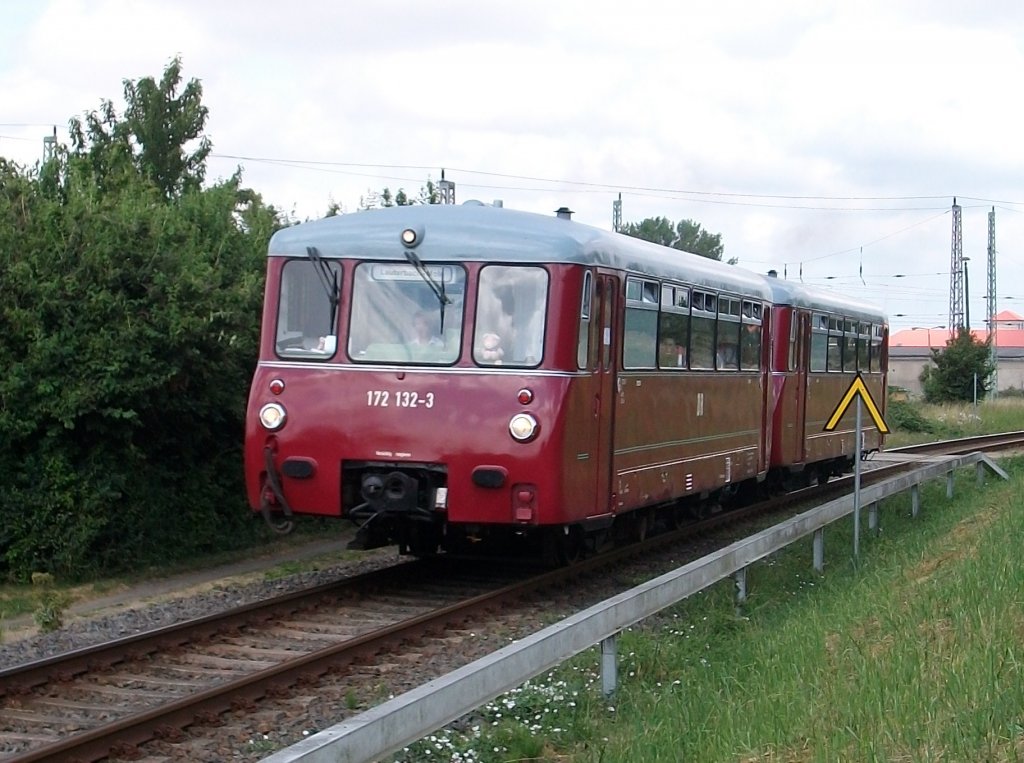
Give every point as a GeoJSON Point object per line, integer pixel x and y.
{"type": "Point", "coordinates": [850, 347]}
{"type": "Point", "coordinates": [308, 311]}
{"type": "Point", "coordinates": [640, 330]}
{"type": "Point", "coordinates": [819, 343]}
{"type": "Point", "coordinates": [510, 316]}
{"type": "Point", "coordinates": [702, 331]}
{"type": "Point", "coordinates": [674, 327]}
{"type": "Point", "coordinates": [583, 339]}
{"type": "Point", "coordinates": [750, 337]}
{"type": "Point", "coordinates": [727, 353]}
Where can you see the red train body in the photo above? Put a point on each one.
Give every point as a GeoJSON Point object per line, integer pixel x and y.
{"type": "Point", "coordinates": [442, 375]}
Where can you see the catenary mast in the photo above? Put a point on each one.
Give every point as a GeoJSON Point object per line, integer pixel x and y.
{"type": "Point", "coordinates": [956, 274]}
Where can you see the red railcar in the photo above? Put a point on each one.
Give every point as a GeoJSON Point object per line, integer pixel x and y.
{"type": "Point", "coordinates": [442, 375]}
{"type": "Point", "coordinates": [821, 342]}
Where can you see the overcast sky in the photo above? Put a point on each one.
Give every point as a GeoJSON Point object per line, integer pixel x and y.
{"type": "Point", "coordinates": [823, 139]}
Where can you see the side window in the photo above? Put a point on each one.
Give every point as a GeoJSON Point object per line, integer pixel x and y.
{"type": "Point", "coordinates": [877, 332]}
{"type": "Point", "coordinates": [640, 331]}
{"type": "Point", "coordinates": [702, 329]}
{"type": "Point", "coordinates": [674, 327]}
{"type": "Point", "coordinates": [510, 315]}
{"type": "Point", "coordinates": [750, 336]}
{"type": "Point", "coordinates": [794, 324]}
{"type": "Point", "coordinates": [583, 339]}
{"type": "Point", "coordinates": [819, 342]}
{"type": "Point", "coordinates": [308, 309]}
{"type": "Point", "coordinates": [863, 343]}
{"type": "Point", "coordinates": [727, 349]}
{"type": "Point", "coordinates": [834, 361]}
{"type": "Point", "coordinates": [850, 329]}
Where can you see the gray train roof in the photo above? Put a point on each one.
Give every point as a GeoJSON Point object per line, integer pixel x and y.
{"type": "Point", "coordinates": [810, 297]}
{"type": "Point", "coordinates": [456, 233]}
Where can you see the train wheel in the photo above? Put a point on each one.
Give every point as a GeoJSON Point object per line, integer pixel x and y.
{"type": "Point", "coordinates": [420, 540]}
{"type": "Point", "coordinates": [563, 546]}
{"type": "Point", "coordinates": [642, 526]}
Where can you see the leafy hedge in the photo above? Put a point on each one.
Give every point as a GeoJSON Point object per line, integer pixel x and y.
{"type": "Point", "coordinates": [130, 328]}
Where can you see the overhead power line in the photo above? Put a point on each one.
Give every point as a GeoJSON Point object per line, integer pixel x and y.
{"type": "Point", "coordinates": [602, 187]}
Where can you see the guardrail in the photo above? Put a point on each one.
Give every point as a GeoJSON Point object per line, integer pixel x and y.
{"type": "Point", "coordinates": [400, 721]}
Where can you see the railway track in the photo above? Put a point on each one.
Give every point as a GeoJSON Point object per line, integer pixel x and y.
{"type": "Point", "coordinates": [108, 700]}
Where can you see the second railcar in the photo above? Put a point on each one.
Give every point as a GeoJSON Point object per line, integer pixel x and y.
{"type": "Point", "coordinates": [822, 341]}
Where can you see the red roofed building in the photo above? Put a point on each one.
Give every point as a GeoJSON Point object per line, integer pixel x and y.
{"type": "Point", "coordinates": [910, 351]}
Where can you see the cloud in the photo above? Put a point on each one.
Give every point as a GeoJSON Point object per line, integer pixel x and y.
{"type": "Point", "coordinates": [772, 124]}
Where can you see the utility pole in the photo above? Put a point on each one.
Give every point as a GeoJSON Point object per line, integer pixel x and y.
{"type": "Point", "coordinates": [991, 307]}
{"type": "Point", "coordinates": [956, 274]}
{"type": "Point", "coordinates": [617, 214]}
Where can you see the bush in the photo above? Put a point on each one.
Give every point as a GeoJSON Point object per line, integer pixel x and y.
{"type": "Point", "coordinates": [131, 327]}
{"type": "Point", "coordinates": [901, 414]}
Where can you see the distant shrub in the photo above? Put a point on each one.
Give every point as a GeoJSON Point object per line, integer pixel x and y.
{"type": "Point", "coordinates": [904, 415]}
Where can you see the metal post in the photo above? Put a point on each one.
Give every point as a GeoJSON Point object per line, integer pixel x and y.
{"type": "Point", "coordinates": [915, 500]}
{"type": "Point", "coordinates": [819, 550]}
{"type": "Point", "coordinates": [949, 484]}
{"type": "Point", "coordinates": [856, 485]}
{"type": "Point", "coordinates": [980, 471]}
{"type": "Point", "coordinates": [873, 517]}
{"type": "Point", "coordinates": [741, 590]}
{"type": "Point", "coordinates": [609, 664]}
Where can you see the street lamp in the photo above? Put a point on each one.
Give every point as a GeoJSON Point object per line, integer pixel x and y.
{"type": "Point", "coordinates": [927, 329]}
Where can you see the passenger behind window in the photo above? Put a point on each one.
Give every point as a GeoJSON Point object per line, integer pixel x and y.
{"type": "Point", "coordinates": [726, 356]}
{"type": "Point", "coordinates": [671, 354]}
{"type": "Point", "coordinates": [423, 332]}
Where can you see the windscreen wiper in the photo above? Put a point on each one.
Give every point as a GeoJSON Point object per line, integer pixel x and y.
{"type": "Point", "coordinates": [442, 298]}
{"type": "Point", "coordinates": [329, 278]}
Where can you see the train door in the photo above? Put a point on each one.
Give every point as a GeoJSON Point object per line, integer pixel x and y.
{"type": "Point", "coordinates": [768, 329]}
{"type": "Point", "coordinates": [799, 363]}
{"type": "Point", "coordinates": [603, 372]}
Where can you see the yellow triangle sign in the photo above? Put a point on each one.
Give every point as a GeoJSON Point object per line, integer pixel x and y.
{"type": "Point", "coordinates": [857, 387]}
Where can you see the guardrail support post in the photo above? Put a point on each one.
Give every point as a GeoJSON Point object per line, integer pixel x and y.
{"type": "Point", "coordinates": [873, 517]}
{"type": "Point", "coordinates": [949, 484]}
{"type": "Point", "coordinates": [980, 470]}
{"type": "Point", "coordinates": [609, 664]}
{"type": "Point", "coordinates": [915, 500]}
{"type": "Point", "coordinates": [819, 550]}
{"type": "Point", "coordinates": [741, 590]}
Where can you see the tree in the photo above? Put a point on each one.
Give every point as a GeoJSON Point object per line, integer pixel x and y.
{"type": "Point", "coordinates": [686, 235]}
{"type": "Point", "coordinates": [160, 137]}
{"type": "Point", "coordinates": [956, 368]}
{"type": "Point", "coordinates": [428, 195]}
{"type": "Point", "coordinates": [131, 310]}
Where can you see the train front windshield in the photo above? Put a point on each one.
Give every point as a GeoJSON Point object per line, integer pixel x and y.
{"type": "Point", "coordinates": [402, 313]}
{"type": "Point", "coordinates": [413, 313]}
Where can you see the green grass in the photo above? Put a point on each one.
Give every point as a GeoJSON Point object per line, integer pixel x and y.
{"type": "Point", "coordinates": [926, 422]}
{"type": "Point", "coordinates": [911, 653]}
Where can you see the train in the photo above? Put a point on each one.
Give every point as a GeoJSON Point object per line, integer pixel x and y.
{"type": "Point", "coordinates": [454, 378]}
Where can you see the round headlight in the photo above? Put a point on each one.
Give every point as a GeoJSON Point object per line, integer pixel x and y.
{"type": "Point", "coordinates": [523, 427]}
{"type": "Point", "coordinates": [272, 416]}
